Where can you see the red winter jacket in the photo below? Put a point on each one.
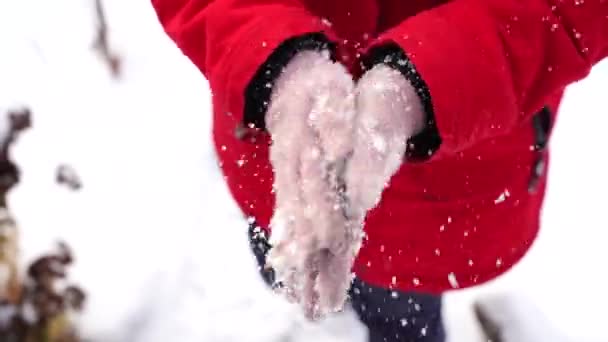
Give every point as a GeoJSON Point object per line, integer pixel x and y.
{"type": "Point", "coordinates": [491, 73]}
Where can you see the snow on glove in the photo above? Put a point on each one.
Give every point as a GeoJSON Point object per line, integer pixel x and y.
{"type": "Point", "coordinates": [310, 119]}
{"type": "Point", "coordinates": [389, 112]}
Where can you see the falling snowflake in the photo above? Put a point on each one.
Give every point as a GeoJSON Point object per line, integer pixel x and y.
{"type": "Point", "coordinates": [502, 197]}
{"type": "Point", "coordinates": [453, 281]}
{"type": "Point", "coordinates": [326, 22]}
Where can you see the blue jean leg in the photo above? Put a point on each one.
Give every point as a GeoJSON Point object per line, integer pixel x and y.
{"type": "Point", "coordinates": [393, 316]}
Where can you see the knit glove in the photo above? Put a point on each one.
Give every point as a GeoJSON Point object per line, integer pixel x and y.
{"type": "Point", "coordinates": [311, 120]}
{"type": "Point", "coordinates": [389, 112]}
{"type": "Point", "coordinates": [335, 148]}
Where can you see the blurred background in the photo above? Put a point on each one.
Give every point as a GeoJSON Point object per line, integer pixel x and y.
{"type": "Point", "coordinates": [160, 248]}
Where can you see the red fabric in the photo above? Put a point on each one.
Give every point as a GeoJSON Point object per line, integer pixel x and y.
{"type": "Point", "coordinates": [489, 65]}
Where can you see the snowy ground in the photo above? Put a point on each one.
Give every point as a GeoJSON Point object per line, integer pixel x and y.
{"type": "Point", "coordinates": [160, 245]}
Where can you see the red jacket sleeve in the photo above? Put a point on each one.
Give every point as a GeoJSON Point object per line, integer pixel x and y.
{"type": "Point", "coordinates": [230, 41]}
{"type": "Point", "coordinates": [489, 64]}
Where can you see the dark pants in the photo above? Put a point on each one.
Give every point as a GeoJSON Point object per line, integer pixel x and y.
{"type": "Point", "coordinates": [394, 316]}
{"type": "Point", "coordinates": [390, 316]}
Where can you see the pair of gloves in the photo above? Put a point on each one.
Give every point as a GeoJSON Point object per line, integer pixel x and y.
{"type": "Point", "coordinates": [335, 145]}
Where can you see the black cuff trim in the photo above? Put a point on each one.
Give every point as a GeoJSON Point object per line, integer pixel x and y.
{"type": "Point", "coordinates": [542, 128]}
{"type": "Point", "coordinates": [421, 146]}
{"type": "Point", "coordinates": [257, 93]}
{"type": "Point", "coordinates": [260, 246]}
{"type": "Point", "coordinates": [541, 122]}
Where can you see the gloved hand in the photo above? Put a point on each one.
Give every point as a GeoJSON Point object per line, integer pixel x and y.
{"type": "Point", "coordinates": [335, 147]}
{"type": "Point", "coordinates": [310, 118]}
{"type": "Point", "coordinates": [389, 112]}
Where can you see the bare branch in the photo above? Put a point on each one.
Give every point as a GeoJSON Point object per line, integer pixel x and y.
{"type": "Point", "coordinates": [102, 45]}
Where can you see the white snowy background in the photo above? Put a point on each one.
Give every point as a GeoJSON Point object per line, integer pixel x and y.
{"type": "Point", "coordinates": [161, 248]}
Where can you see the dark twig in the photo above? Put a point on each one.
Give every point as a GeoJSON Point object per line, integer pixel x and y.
{"type": "Point", "coordinates": [102, 45]}
{"type": "Point", "coordinates": [66, 175]}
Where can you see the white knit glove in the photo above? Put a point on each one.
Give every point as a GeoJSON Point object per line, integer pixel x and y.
{"type": "Point", "coordinates": [389, 112]}
{"type": "Point", "coordinates": [310, 119]}
{"type": "Point", "coordinates": [329, 136]}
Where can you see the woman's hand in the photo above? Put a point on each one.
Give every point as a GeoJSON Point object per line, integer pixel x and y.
{"type": "Point", "coordinates": [310, 119]}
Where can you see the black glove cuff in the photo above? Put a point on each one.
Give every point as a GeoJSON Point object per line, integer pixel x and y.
{"type": "Point", "coordinates": [259, 90]}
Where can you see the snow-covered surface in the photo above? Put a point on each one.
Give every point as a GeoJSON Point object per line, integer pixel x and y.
{"type": "Point", "coordinates": [161, 247]}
